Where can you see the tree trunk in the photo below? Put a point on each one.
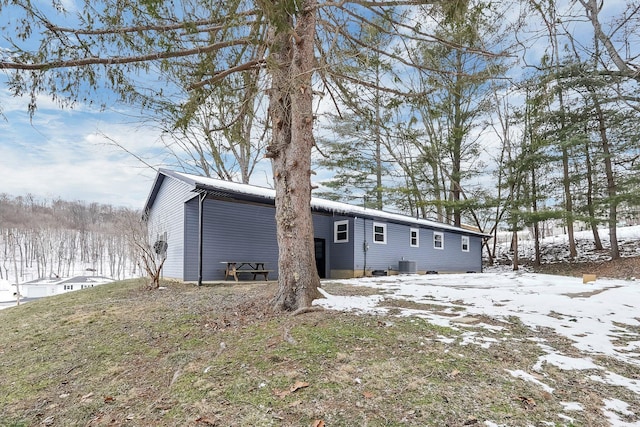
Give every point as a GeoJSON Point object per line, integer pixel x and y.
{"type": "Point", "coordinates": [611, 181]}
{"type": "Point", "coordinates": [291, 112]}
{"type": "Point", "coordinates": [514, 247]}
{"type": "Point", "coordinates": [590, 206]}
{"type": "Point", "coordinates": [536, 225]}
{"type": "Point", "coordinates": [552, 23]}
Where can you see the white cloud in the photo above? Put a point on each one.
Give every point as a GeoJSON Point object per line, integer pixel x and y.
{"type": "Point", "coordinates": [67, 154]}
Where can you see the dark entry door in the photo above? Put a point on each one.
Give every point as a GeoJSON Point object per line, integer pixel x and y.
{"type": "Point", "coordinates": [320, 257]}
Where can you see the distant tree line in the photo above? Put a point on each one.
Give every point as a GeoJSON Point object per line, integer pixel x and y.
{"type": "Point", "coordinates": [56, 238]}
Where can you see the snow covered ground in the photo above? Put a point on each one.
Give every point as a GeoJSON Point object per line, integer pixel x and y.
{"type": "Point", "coordinates": [600, 318]}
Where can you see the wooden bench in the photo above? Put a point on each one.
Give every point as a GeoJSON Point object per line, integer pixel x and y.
{"type": "Point", "coordinates": [255, 273]}
{"type": "Point", "coordinates": [254, 267]}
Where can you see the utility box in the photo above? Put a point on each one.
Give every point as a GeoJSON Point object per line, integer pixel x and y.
{"type": "Point", "coordinates": [407, 267]}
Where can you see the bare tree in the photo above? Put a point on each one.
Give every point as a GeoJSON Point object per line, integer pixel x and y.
{"type": "Point", "coordinates": [13, 244]}
{"type": "Point", "coordinates": [627, 65]}
{"type": "Point", "coordinates": [147, 243]}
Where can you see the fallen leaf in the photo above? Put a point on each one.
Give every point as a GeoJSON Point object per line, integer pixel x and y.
{"type": "Point", "coordinates": [298, 385]}
{"type": "Point", "coordinates": [109, 399]}
{"type": "Point", "coordinates": [206, 421]}
{"type": "Point", "coordinates": [295, 387]}
{"type": "Point", "coordinates": [86, 397]}
{"type": "Point", "coordinates": [454, 373]}
{"type": "Point", "coordinates": [367, 395]}
{"type": "Point", "coordinates": [281, 393]}
{"type": "Point", "coordinates": [318, 423]}
{"type": "Point", "coordinates": [527, 401]}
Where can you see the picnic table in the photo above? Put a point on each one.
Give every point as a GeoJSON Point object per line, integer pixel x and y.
{"type": "Point", "coordinates": [254, 267]}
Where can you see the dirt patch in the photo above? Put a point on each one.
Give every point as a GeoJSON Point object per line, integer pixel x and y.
{"type": "Point", "coordinates": [587, 294]}
{"type": "Point", "coordinates": [341, 289]}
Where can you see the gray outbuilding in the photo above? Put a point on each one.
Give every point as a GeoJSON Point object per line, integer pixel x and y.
{"type": "Point", "coordinates": [205, 223]}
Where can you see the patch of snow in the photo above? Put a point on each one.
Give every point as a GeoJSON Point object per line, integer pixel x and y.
{"type": "Point", "coordinates": [566, 418]}
{"type": "Point", "coordinates": [473, 338]}
{"type": "Point", "coordinates": [368, 304]}
{"type": "Point", "coordinates": [618, 406]}
{"type": "Point", "coordinates": [565, 363]}
{"type": "Point", "coordinates": [612, 378]}
{"type": "Point", "coordinates": [530, 378]}
{"type": "Point", "coordinates": [613, 408]}
{"type": "Point", "coordinates": [445, 340]}
{"type": "Point", "coordinates": [572, 406]}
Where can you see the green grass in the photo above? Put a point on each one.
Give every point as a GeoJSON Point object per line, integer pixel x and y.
{"type": "Point", "coordinates": [120, 354]}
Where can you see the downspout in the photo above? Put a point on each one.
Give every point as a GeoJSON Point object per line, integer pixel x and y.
{"type": "Point", "coordinates": [201, 198]}
{"type": "Point", "coordinates": [365, 247]}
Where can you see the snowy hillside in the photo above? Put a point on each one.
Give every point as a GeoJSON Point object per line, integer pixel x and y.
{"type": "Point", "coordinates": [556, 248]}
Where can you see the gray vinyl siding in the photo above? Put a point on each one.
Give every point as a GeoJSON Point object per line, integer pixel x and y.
{"type": "Point", "coordinates": [451, 258]}
{"type": "Point", "coordinates": [341, 254]}
{"type": "Point", "coordinates": [233, 231]}
{"type": "Point", "coordinates": [384, 256]}
{"type": "Point", "coordinates": [167, 215]}
{"type": "Point", "coordinates": [398, 247]}
{"type": "Point", "coordinates": [240, 231]}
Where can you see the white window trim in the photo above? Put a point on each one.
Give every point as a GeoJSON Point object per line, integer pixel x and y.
{"type": "Point", "coordinates": [384, 233]}
{"type": "Point", "coordinates": [335, 231]}
{"type": "Point", "coordinates": [417, 231]}
{"type": "Point", "coordinates": [462, 242]}
{"type": "Point", "coordinates": [441, 234]}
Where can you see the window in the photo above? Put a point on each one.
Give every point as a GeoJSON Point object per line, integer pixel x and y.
{"type": "Point", "coordinates": [68, 287]}
{"type": "Point", "coordinates": [438, 240]}
{"type": "Point", "coordinates": [341, 231]}
{"type": "Point", "coordinates": [465, 243]}
{"type": "Point", "coordinates": [379, 233]}
{"type": "Point", "coordinates": [414, 237]}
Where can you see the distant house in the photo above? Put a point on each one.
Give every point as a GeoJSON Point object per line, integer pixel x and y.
{"type": "Point", "coordinates": [204, 222]}
{"type": "Point", "coordinates": [46, 287]}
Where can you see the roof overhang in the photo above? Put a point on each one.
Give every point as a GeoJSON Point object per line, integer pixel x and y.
{"type": "Point", "coordinates": [218, 189]}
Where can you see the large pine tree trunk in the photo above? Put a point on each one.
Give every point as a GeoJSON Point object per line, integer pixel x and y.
{"type": "Point", "coordinates": [292, 140]}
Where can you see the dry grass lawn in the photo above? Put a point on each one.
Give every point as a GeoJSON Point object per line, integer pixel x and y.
{"type": "Point", "coordinates": [118, 354]}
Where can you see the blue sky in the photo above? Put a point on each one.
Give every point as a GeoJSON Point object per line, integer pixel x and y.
{"type": "Point", "coordinates": [70, 154]}
{"type": "Point", "coordinates": [66, 153]}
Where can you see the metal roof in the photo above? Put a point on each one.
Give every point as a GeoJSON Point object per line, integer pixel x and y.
{"type": "Point", "coordinates": [217, 188]}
